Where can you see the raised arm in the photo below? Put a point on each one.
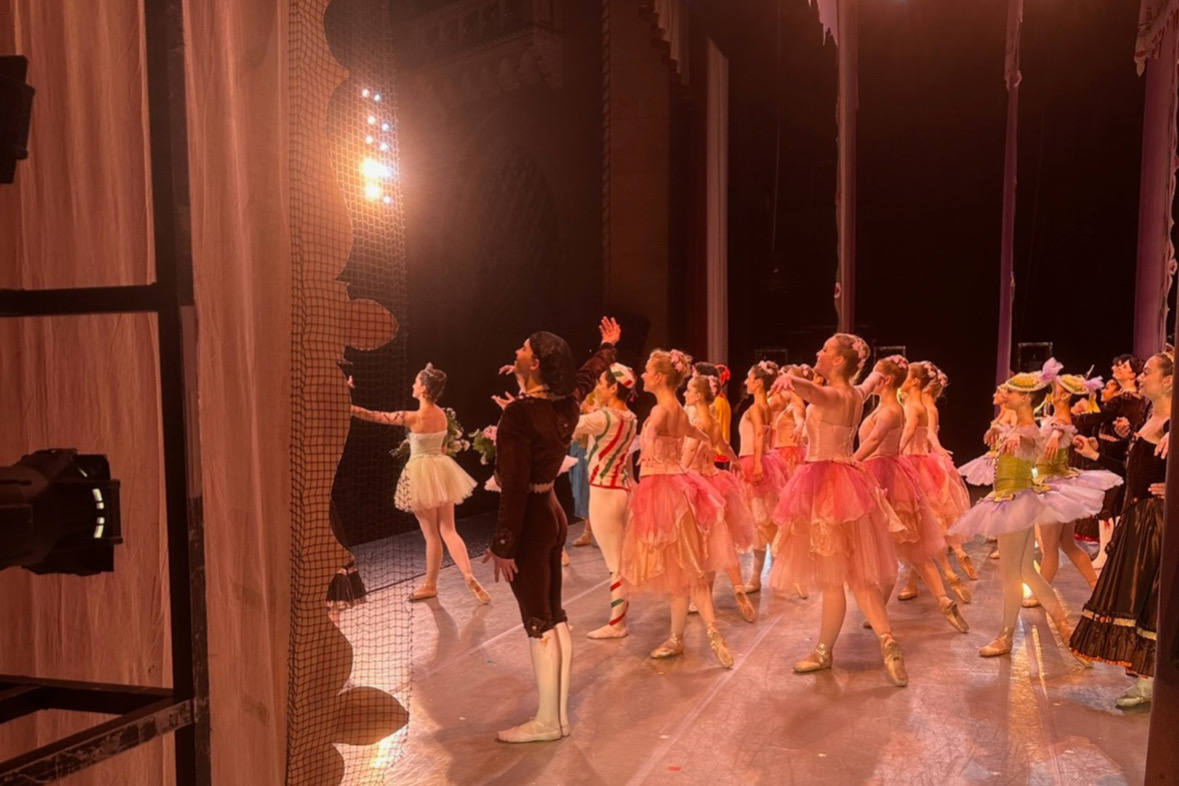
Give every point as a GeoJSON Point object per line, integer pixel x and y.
{"type": "Point", "coordinates": [807, 390]}
{"type": "Point", "coordinates": [399, 418]}
{"type": "Point", "coordinates": [599, 362]}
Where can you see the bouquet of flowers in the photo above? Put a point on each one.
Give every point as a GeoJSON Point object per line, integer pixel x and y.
{"type": "Point", "coordinates": [484, 444]}
{"type": "Point", "coordinates": [455, 441]}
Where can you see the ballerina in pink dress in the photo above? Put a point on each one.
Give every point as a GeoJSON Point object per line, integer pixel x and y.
{"type": "Point", "coordinates": [921, 542]}
{"type": "Point", "coordinates": [699, 457]}
{"type": "Point", "coordinates": [835, 526]}
{"type": "Point", "coordinates": [763, 470]}
{"type": "Point", "coordinates": [675, 528]}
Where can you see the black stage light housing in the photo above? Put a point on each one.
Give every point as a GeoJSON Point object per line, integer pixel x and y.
{"type": "Point", "coordinates": [16, 110]}
{"type": "Point", "coordinates": [59, 513]}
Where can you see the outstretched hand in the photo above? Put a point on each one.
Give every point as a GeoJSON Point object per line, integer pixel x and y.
{"type": "Point", "coordinates": [783, 383]}
{"type": "Point", "coordinates": [1164, 447]}
{"type": "Point", "coordinates": [504, 400]}
{"type": "Point", "coordinates": [610, 330]}
{"type": "Point", "coordinates": [506, 567]}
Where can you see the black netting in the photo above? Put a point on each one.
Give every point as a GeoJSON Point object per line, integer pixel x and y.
{"type": "Point", "coordinates": [351, 635]}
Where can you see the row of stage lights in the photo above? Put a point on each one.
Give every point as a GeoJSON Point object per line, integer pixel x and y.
{"type": "Point", "coordinates": [374, 168]}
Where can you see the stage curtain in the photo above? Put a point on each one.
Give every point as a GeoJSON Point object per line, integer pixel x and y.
{"type": "Point", "coordinates": [79, 215]}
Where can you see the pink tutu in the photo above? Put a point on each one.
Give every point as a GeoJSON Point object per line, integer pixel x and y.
{"type": "Point", "coordinates": [922, 536]}
{"type": "Point", "coordinates": [946, 492]}
{"type": "Point", "coordinates": [979, 471]}
{"type": "Point", "coordinates": [763, 496]}
{"type": "Point", "coordinates": [792, 456]}
{"type": "Point", "coordinates": [673, 524]}
{"type": "Point", "coordinates": [738, 517]}
{"type": "Point", "coordinates": [834, 527]}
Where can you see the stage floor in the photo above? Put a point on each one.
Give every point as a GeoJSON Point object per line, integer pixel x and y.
{"type": "Point", "coordinates": [1034, 717]}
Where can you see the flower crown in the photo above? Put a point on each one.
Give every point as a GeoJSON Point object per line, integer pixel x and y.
{"type": "Point", "coordinates": [900, 360]}
{"type": "Point", "coordinates": [725, 374]}
{"type": "Point", "coordinates": [861, 348]}
{"type": "Point", "coordinates": [679, 361]}
{"type": "Point", "coordinates": [765, 366]}
{"type": "Point", "coordinates": [713, 383]}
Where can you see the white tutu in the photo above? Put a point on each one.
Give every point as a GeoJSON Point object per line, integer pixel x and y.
{"type": "Point", "coordinates": [430, 478]}
{"type": "Point", "coordinates": [1051, 505]}
{"type": "Point", "coordinates": [979, 471]}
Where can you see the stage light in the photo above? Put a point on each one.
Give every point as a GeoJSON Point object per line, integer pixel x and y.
{"type": "Point", "coordinates": [384, 147]}
{"type": "Point", "coordinates": [364, 92]}
{"type": "Point", "coordinates": [368, 140]}
{"type": "Point", "coordinates": [388, 200]}
{"type": "Point", "coordinates": [16, 109]}
{"type": "Point", "coordinates": [377, 97]}
{"type": "Point", "coordinates": [372, 191]}
{"type": "Point", "coordinates": [372, 120]}
{"type": "Point", "coordinates": [375, 170]}
{"type": "Point", "coordinates": [384, 126]}
{"type": "Point", "coordinates": [59, 513]}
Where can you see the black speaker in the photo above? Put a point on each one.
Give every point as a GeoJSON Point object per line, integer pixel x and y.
{"type": "Point", "coordinates": [16, 110]}
{"type": "Point", "coordinates": [1030, 355]}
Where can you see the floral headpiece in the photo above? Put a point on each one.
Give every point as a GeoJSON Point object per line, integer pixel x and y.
{"type": "Point", "coordinates": [861, 348]}
{"type": "Point", "coordinates": [1032, 381]}
{"type": "Point", "coordinates": [900, 360]}
{"type": "Point", "coordinates": [725, 374]}
{"type": "Point", "coordinates": [625, 375]}
{"type": "Point", "coordinates": [680, 361]}
{"type": "Point", "coordinates": [765, 366]}
{"type": "Point", "coordinates": [713, 383]}
{"type": "Point", "coordinates": [1077, 385]}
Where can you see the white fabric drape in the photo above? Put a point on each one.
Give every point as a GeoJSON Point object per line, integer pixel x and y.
{"type": "Point", "coordinates": [79, 215]}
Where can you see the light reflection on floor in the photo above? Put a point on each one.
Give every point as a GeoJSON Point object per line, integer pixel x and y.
{"type": "Point", "coordinates": [1035, 717]}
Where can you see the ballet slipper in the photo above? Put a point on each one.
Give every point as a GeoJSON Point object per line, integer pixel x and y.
{"type": "Point", "coordinates": [958, 588]}
{"type": "Point", "coordinates": [530, 731]}
{"type": "Point", "coordinates": [669, 649]}
{"type": "Point", "coordinates": [1030, 602]}
{"type": "Point", "coordinates": [586, 539]}
{"type": "Point", "coordinates": [818, 660]}
{"type": "Point", "coordinates": [720, 647]}
{"type": "Point", "coordinates": [955, 618]}
{"type": "Point", "coordinates": [1137, 696]}
{"type": "Point", "coordinates": [609, 632]}
{"type": "Point", "coordinates": [968, 567]}
{"type": "Point", "coordinates": [477, 590]}
{"type": "Point", "coordinates": [802, 594]}
{"type": "Point", "coordinates": [994, 553]}
{"type": "Point", "coordinates": [692, 607]}
{"type": "Point", "coordinates": [564, 558]}
{"type": "Point", "coordinates": [424, 592]}
{"type": "Point", "coordinates": [745, 606]}
{"type": "Point", "coordinates": [752, 587]}
{"type": "Point", "coordinates": [894, 661]}
{"type": "Point", "coordinates": [1000, 645]}
{"type": "Point", "coordinates": [909, 591]}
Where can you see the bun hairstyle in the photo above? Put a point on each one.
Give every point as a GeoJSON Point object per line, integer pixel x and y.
{"type": "Point", "coordinates": [557, 367]}
{"type": "Point", "coordinates": [895, 368]}
{"type": "Point", "coordinates": [705, 369]}
{"type": "Point", "coordinates": [921, 372]}
{"type": "Point", "coordinates": [433, 381]}
{"type": "Point", "coordinates": [706, 386]}
{"type": "Point", "coordinates": [938, 381]}
{"type": "Point", "coordinates": [766, 371]}
{"type": "Point", "coordinates": [1166, 363]}
{"type": "Point", "coordinates": [854, 351]}
{"type": "Point", "coordinates": [674, 365]}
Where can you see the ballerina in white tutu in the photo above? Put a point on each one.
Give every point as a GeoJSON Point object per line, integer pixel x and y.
{"type": "Point", "coordinates": [981, 471]}
{"type": "Point", "coordinates": [432, 482]}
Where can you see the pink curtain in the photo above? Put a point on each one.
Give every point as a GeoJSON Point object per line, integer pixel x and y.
{"type": "Point", "coordinates": [79, 215]}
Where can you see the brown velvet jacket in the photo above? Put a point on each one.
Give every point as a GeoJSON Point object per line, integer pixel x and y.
{"type": "Point", "coordinates": [531, 442]}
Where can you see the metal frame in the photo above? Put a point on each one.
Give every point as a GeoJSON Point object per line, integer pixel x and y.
{"type": "Point", "coordinates": [143, 714]}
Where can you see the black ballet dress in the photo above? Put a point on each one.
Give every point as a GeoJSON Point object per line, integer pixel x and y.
{"type": "Point", "coordinates": [1119, 623]}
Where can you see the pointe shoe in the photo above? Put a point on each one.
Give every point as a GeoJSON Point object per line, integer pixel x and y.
{"type": "Point", "coordinates": [669, 649]}
{"type": "Point", "coordinates": [585, 539]}
{"type": "Point", "coordinates": [609, 632]}
{"type": "Point", "coordinates": [477, 590]}
{"type": "Point", "coordinates": [994, 554]}
{"type": "Point", "coordinates": [752, 587]}
{"type": "Point", "coordinates": [817, 661]}
{"type": "Point", "coordinates": [800, 592]}
{"type": "Point", "coordinates": [955, 618]}
{"type": "Point", "coordinates": [894, 661]}
{"type": "Point", "coordinates": [745, 606]}
{"type": "Point", "coordinates": [1030, 602]}
{"type": "Point", "coordinates": [1139, 695]}
{"type": "Point", "coordinates": [424, 592]}
{"type": "Point", "coordinates": [1001, 645]}
{"type": "Point", "coordinates": [564, 558]}
{"type": "Point", "coordinates": [692, 608]}
{"type": "Point", "coordinates": [959, 589]}
{"type": "Point", "coordinates": [968, 567]}
{"type": "Point", "coordinates": [530, 732]}
{"type": "Point", "coordinates": [720, 647]}
{"type": "Point", "coordinates": [909, 591]}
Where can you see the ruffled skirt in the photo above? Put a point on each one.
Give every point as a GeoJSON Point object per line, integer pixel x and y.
{"type": "Point", "coordinates": [738, 516]}
{"type": "Point", "coordinates": [763, 496]}
{"type": "Point", "coordinates": [943, 486]}
{"type": "Point", "coordinates": [921, 537]}
{"type": "Point", "coordinates": [1119, 623]}
{"type": "Point", "coordinates": [834, 527]}
{"type": "Point", "coordinates": [1051, 504]}
{"type": "Point", "coordinates": [1089, 485]}
{"type": "Point", "coordinates": [979, 471]}
{"type": "Point", "coordinates": [674, 535]}
{"type": "Point", "coordinates": [430, 482]}
{"type": "Point", "coordinates": [792, 456]}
